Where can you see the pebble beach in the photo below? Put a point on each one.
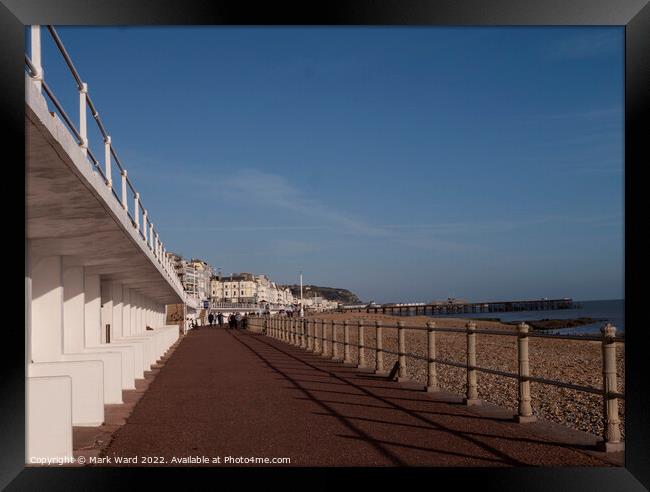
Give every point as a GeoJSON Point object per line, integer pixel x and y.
{"type": "Point", "coordinates": [571, 361]}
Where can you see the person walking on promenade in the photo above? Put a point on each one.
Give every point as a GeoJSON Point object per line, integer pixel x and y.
{"type": "Point", "coordinates": [231, 321]}
{"type": "Point", "coordinates": [210, 318]}
{"type": "Point", "coordinates": [237, 321]}
{"type": "Point", "coordinates": [244, 321]}
{"type": "Point", "coordinates": [220, 318]}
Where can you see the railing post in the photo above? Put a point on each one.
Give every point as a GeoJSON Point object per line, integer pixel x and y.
{"type": "Point", "coordinates": [323, 330]}
{"type": "Point", "coordinates": [401, 350]}
{"type": "Point", "coordinates": [472, 392]}
{"type": "Point", "coordinates": [432, 377]}
{"type": "Point", "coordinates": [83, 129]}
{"type": "Point", "coordinates": [310, 338]}
{"type": "Point", "coordinates": [151, 235]}
{"type": "Point", "coordinates": [35, 32]}
{"type": "Point", "coordinates": [335, 344]}
{"type": "Point", "coordinates": [379, 352]}
{"type": "Point", "coordinates": [317, 344]}
{"type": "Point", "coordinates": [346, 342]}
{"type": "Point", "coordinates": [361, 351]}
{"type": "Point", "coordinates": [266, 326]}
{"type": "Point", "coordinates": [611, 429]}
{"type": "Point", "coordinates": [525, 408]}
{"type": "Point", "coordinates": [107, 162]}
{"type": "Point", "coordinates": [304, 328]}
{"type": "Point", "coordinates": [125, 203]}
{"type": "Point", "coordinates": [144, 224]}
{"type": "Point", "coordinates": [136, 211]}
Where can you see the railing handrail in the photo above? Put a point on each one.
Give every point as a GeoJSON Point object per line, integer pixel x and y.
{"type": "Point", "coordinates": [148, 234]}
{"type": "Point", "coordinates": [303, 332]}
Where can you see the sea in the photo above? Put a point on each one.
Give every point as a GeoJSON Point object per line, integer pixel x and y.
{"type": "Point", "coordinates": [607, 311]}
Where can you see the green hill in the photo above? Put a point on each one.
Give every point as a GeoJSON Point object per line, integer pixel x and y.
{"type": "Point", "coordinates": [330, 293]}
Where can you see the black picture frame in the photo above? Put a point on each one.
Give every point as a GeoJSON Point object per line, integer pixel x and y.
{"type": "Point", "coordinates": [633, 14]}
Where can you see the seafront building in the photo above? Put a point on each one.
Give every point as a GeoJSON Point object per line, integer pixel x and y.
{"type": "Point", "coordinates": [195, 275]}
{"type": "Point", "coordinates": [250, 289]}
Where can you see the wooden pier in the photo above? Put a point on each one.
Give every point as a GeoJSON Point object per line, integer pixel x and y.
{"type": "Point", "coordinates": [463, 307]}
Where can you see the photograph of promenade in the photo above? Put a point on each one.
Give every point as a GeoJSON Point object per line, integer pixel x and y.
{"type": "Point", "coordinates": [324, 246]}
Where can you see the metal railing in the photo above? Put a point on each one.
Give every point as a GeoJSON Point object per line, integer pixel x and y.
{"type": "Point", "coordinates": [138, 215]}
{"type": "Point", "coordinates": [312, 335]}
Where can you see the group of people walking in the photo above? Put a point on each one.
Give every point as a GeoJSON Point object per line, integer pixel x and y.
{"type": "Point", "coordinates": [235, 320]}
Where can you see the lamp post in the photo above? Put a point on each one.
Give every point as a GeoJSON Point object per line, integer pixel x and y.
{"type": "Point", "coordinates": [302, 311]}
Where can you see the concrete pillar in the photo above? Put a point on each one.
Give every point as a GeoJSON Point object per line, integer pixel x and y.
{"type": "Point", "coordinates": [379, 353]}
{"type": "Point", "coordinates": [361, 350]}
{"type": "Point", "coordinates": [126, 311]}
{"type": "Point", "coordinates": [47, 308]}
{"type": "Point", "coordinates": [401, 350]}
{"type": "Point", "coordinates": [472, 391]}
{"type": "Point", "coordinates": [346, 342]}
{"type": "Point", "coordinates": [525, 409]}
{"type": "Point", "coordinates": [118, 307]}
{"type": "Point", "coordinates": [611, 431]}
{"type": "Point", "coordinates": [432, 377]}
{"type": "Point", "coordinates": [92, 311]}
{"type": "Point", "coordinates": [73, 306]}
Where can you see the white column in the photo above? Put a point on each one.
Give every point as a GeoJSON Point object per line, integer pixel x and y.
{"type": "Point", "coordinates": [93, 307]}
{"type": "Point", "coordinates": [47, 308]}
{"type": "Point", "coordinates": [118, 307]}
{"type": "Point", "coordinates": [144, 223]}
{"type": "Point", "coordinates": [126, 311]}
{"type": "Point", "coordinates": [73, 306]}
{"type": "Point", "coordinates": [136, 210]}
{"type": "Point", "coordinates": [107, 160]}
{"type": "Point", "coordinates": [83, 132]}
{"type": "Point", "coordinates": [35, 32]}
{"type": "Point", "coordinates": [125, 203]}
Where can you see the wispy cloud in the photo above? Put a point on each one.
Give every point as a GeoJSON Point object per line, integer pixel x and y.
{"type": "Point", "coordinates": [273, 191]}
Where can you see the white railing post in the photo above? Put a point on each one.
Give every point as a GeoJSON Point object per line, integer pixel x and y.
{"type": "Point", "coordinates": [83, 130]}
{"type": "Point", "coordinates": [525, 414]}
{"type": "Point", "coordinates": [151, 235]}
{"type": "Point", "coordinates": [144, 224]}
{"type": "Point", "coordinates": [125, 204]}
{"type": "Point", "coordinates": [432, 377]}
{"type": "Point", "coordinates": [36, 56]}
{"type": "Point", "coordinates": [611, 429]}
{"type": "Point", "coordinates": [107, 160]}
{"type": "Point", "coordinates": [136, 210]}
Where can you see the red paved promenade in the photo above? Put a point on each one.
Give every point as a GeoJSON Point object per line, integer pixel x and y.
{"type": "Point", "coordinates": [233, 393]}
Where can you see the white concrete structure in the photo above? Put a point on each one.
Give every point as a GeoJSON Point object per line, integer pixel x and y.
{"type": "Point", "coordinates": [96, 284]}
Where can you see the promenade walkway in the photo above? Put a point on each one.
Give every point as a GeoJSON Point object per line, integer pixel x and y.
{"type": "Point", "coordinates": [235, 393]}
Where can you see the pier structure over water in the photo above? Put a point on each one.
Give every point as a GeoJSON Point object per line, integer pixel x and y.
{"type": "Point", "coordinates": [462, 307]}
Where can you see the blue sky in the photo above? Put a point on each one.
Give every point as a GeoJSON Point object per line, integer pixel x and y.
{"type": "Point", "coordinates": [405, 164]}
